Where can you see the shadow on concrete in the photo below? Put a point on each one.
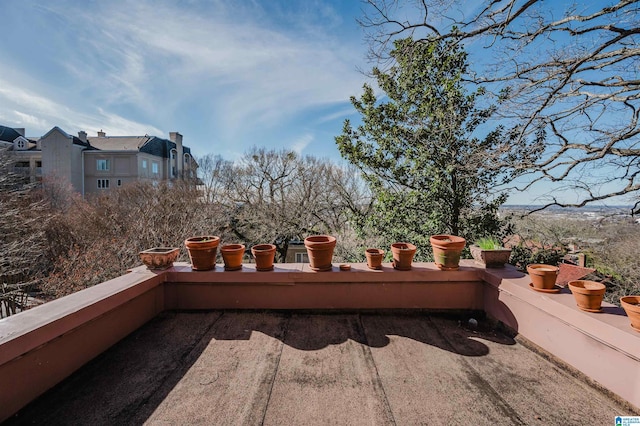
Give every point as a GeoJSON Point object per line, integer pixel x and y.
{"type": "Point", "coordinates": [130, 381]}
{"type": "Point", "coordinates": [311, 332]}
{"type": "Point", "coordinates": [614, 310]}
{"type": "Point", "coordinates": [117, 386]}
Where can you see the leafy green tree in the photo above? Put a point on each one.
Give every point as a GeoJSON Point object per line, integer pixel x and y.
{"type": "Point", "coordinates": [419, 150]}
{"type": "Point", "coordinates": [570, 67]}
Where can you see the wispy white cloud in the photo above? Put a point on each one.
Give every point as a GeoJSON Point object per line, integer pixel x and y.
{"type": "Point", "coordinates": [301, 143]}
{"type": "Point", "coordinates": [257, 72]}
{"type": "Point", "coordinates": [232, 64]}
{"type": "Point", "coordinates": [44, 113]}
{"type": "Point", "coordinates": [341, 113]}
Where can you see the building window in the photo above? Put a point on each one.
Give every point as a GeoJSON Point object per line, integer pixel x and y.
{"type": "Point", "coordinates": [144, 164]}
{"type": "Point", "coordinates": [172, 163]}
{"type": "Point", "coordinates": [103, 183]}
{"type": "Point", "coordinates": [119, 182]}
{"type": "Point", "coordinates": [154, 168]}
{"type": "Point", "coordinates": [302, 258]}
{"type": "Point", "coordinates": [102, 164]}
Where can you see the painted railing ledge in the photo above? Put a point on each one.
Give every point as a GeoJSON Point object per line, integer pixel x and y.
{"type": "Point", "coordinates": [302, 273]}
{"type": "Point", "coordinates": [34, 327]}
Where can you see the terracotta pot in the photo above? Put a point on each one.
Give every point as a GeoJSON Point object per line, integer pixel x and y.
{"type": "Point", "coordinates": [232, 255]}
{"type": "Point", "coordinates": [264, 255]}
{"type": "Point", "coordinates": [447, 250]}
{"type": "Point", "coordinates": [495, 258]}
{"type": "Point", "coordinates": [374, 258]}
{"type": "Point", "coordinates": [402, 255]}
{"type": "Point", "coordinates": [631, 305]}
{"type": "Point", "coordinates": [159, 258]}
{"type": "Point", "coordinates": [543, 276]}
{"type": "Point", "coordinates": [202, 251]}
{"type": "Point", "coordinates": [320, 251]}
{"type": "Point", "coordinates": [588, 294]}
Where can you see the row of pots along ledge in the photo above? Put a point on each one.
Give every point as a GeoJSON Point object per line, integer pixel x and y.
{"type": "Point", "coordinates": [203, 250]}
{"type": "Point", "coordinates": [446, 251]}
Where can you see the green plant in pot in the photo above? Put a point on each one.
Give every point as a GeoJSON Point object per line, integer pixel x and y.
{"type": "Point", "coordinates": [490, 253]}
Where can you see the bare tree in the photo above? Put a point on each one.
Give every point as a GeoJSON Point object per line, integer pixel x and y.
{"type": "Point", "coordinates": [211, 171]}
{"type": "Point", "coordinates": [278, 196]}
{"type": "Point", "coordinates": [99, 239]}
{"type": "Point", "coordinates": [565, 70]}
{"type": "Point", "coordinates": [23, 220]}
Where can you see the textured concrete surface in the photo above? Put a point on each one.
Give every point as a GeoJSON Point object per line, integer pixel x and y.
{"type": "Point", "coordinates": [293, 368]}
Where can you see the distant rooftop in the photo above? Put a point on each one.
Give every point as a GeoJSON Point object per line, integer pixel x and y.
{"type": "Point", "coordinates": [223, 367]}
{"type": "Point", "coordinates": [127, 143]}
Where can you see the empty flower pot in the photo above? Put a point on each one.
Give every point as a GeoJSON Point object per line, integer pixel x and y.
{"type": "Point", "coordinates": [374, 258]}
{"type": "Point", "coordinates": [588, 294]}
{"type": "Point", "coordinates": [159, 258]}
{"type": "Point", "coordinates": [631, 305]}
{"type": "Point", "coordinates": [447, 250]}
{"type": "Point", "coordinates": [232, 255]}
{"type": "Point", "coordinates": [264, 255]}
{"type": "Point", "coordinates": [543, 277]}
{"type": "Point", "coordinates": [402, 255]}
{"type": "Point", "coordinates": [320, 251]}
{"type": "Point", "coordinates": [202, 251]}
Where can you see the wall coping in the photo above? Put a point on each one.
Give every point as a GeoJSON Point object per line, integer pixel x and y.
{"type": "Point", "coordinates": [29, 329]}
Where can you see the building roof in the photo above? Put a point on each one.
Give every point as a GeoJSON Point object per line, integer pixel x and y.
{"type": "Point", "coordinates": [8, 134]}
{"type": "Point", "coordinates": [76, 140]}
{"type": "Point", "coordinates": [152, 145]}
{"type": "Point", "coordinates": [119, 143]}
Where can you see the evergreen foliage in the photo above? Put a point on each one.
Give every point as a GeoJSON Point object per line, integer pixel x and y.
{"type": "Point", "coordinates": [418, 149]}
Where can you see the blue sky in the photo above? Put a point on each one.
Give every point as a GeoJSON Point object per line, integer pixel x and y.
{"type": "Point", "coordinates": [226, 74]}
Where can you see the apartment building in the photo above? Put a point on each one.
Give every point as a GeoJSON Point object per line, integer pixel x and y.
{"type": "Point", "coordinates": [94, 164]}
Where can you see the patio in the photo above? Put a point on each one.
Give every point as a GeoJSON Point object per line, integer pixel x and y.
{"type": "Point", "coordinates": [232, 367]}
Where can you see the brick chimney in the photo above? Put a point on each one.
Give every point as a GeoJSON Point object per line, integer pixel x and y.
{"type": "Point", "coordinates": [101, 134]}
{"type": "Point", "coordinates": [82, 135]}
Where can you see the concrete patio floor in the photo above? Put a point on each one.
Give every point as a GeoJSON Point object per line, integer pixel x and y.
{"type": "Point", "coordinates": [228, 367]}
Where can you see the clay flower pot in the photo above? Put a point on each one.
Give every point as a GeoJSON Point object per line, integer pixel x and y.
{"type": "Point", "coordinates": [320, 251]}
{"type": "Point", "coordinates": [495, 258]}
{"type": "Point", "coordinates": [264, 255]}
{"type": "Point", "coordinates": [402, 255]}
{"type": "Point", "coordinates": [159, 258]}
{"type": "Point", "coordinates": [447, 250]}
{"type": "Point", "coordinates": [202, 251]}
{"type": "Point", "coordinates": [374, 258]}
{"type": "Point", "coordinates": [232, 255]}
{"type": "Point", "coordinates": [588, 294]}
{"type": "Point", "coordinates": [543, 277]}
{"type": "Point", "coordinates": [631, 305]}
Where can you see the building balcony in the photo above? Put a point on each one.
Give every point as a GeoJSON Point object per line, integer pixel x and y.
{"type": "Point", "coordinates": [295, 346]}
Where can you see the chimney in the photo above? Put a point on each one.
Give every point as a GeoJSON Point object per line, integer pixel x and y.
{"type": "Point", "coordinates": [101, 134]}
{"type": "Point", "coordinates": [176, 138]}
{"type": "Point", "coordinates": [20, 130]}
{"type": "Point", "coordinates": [82, 135]}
